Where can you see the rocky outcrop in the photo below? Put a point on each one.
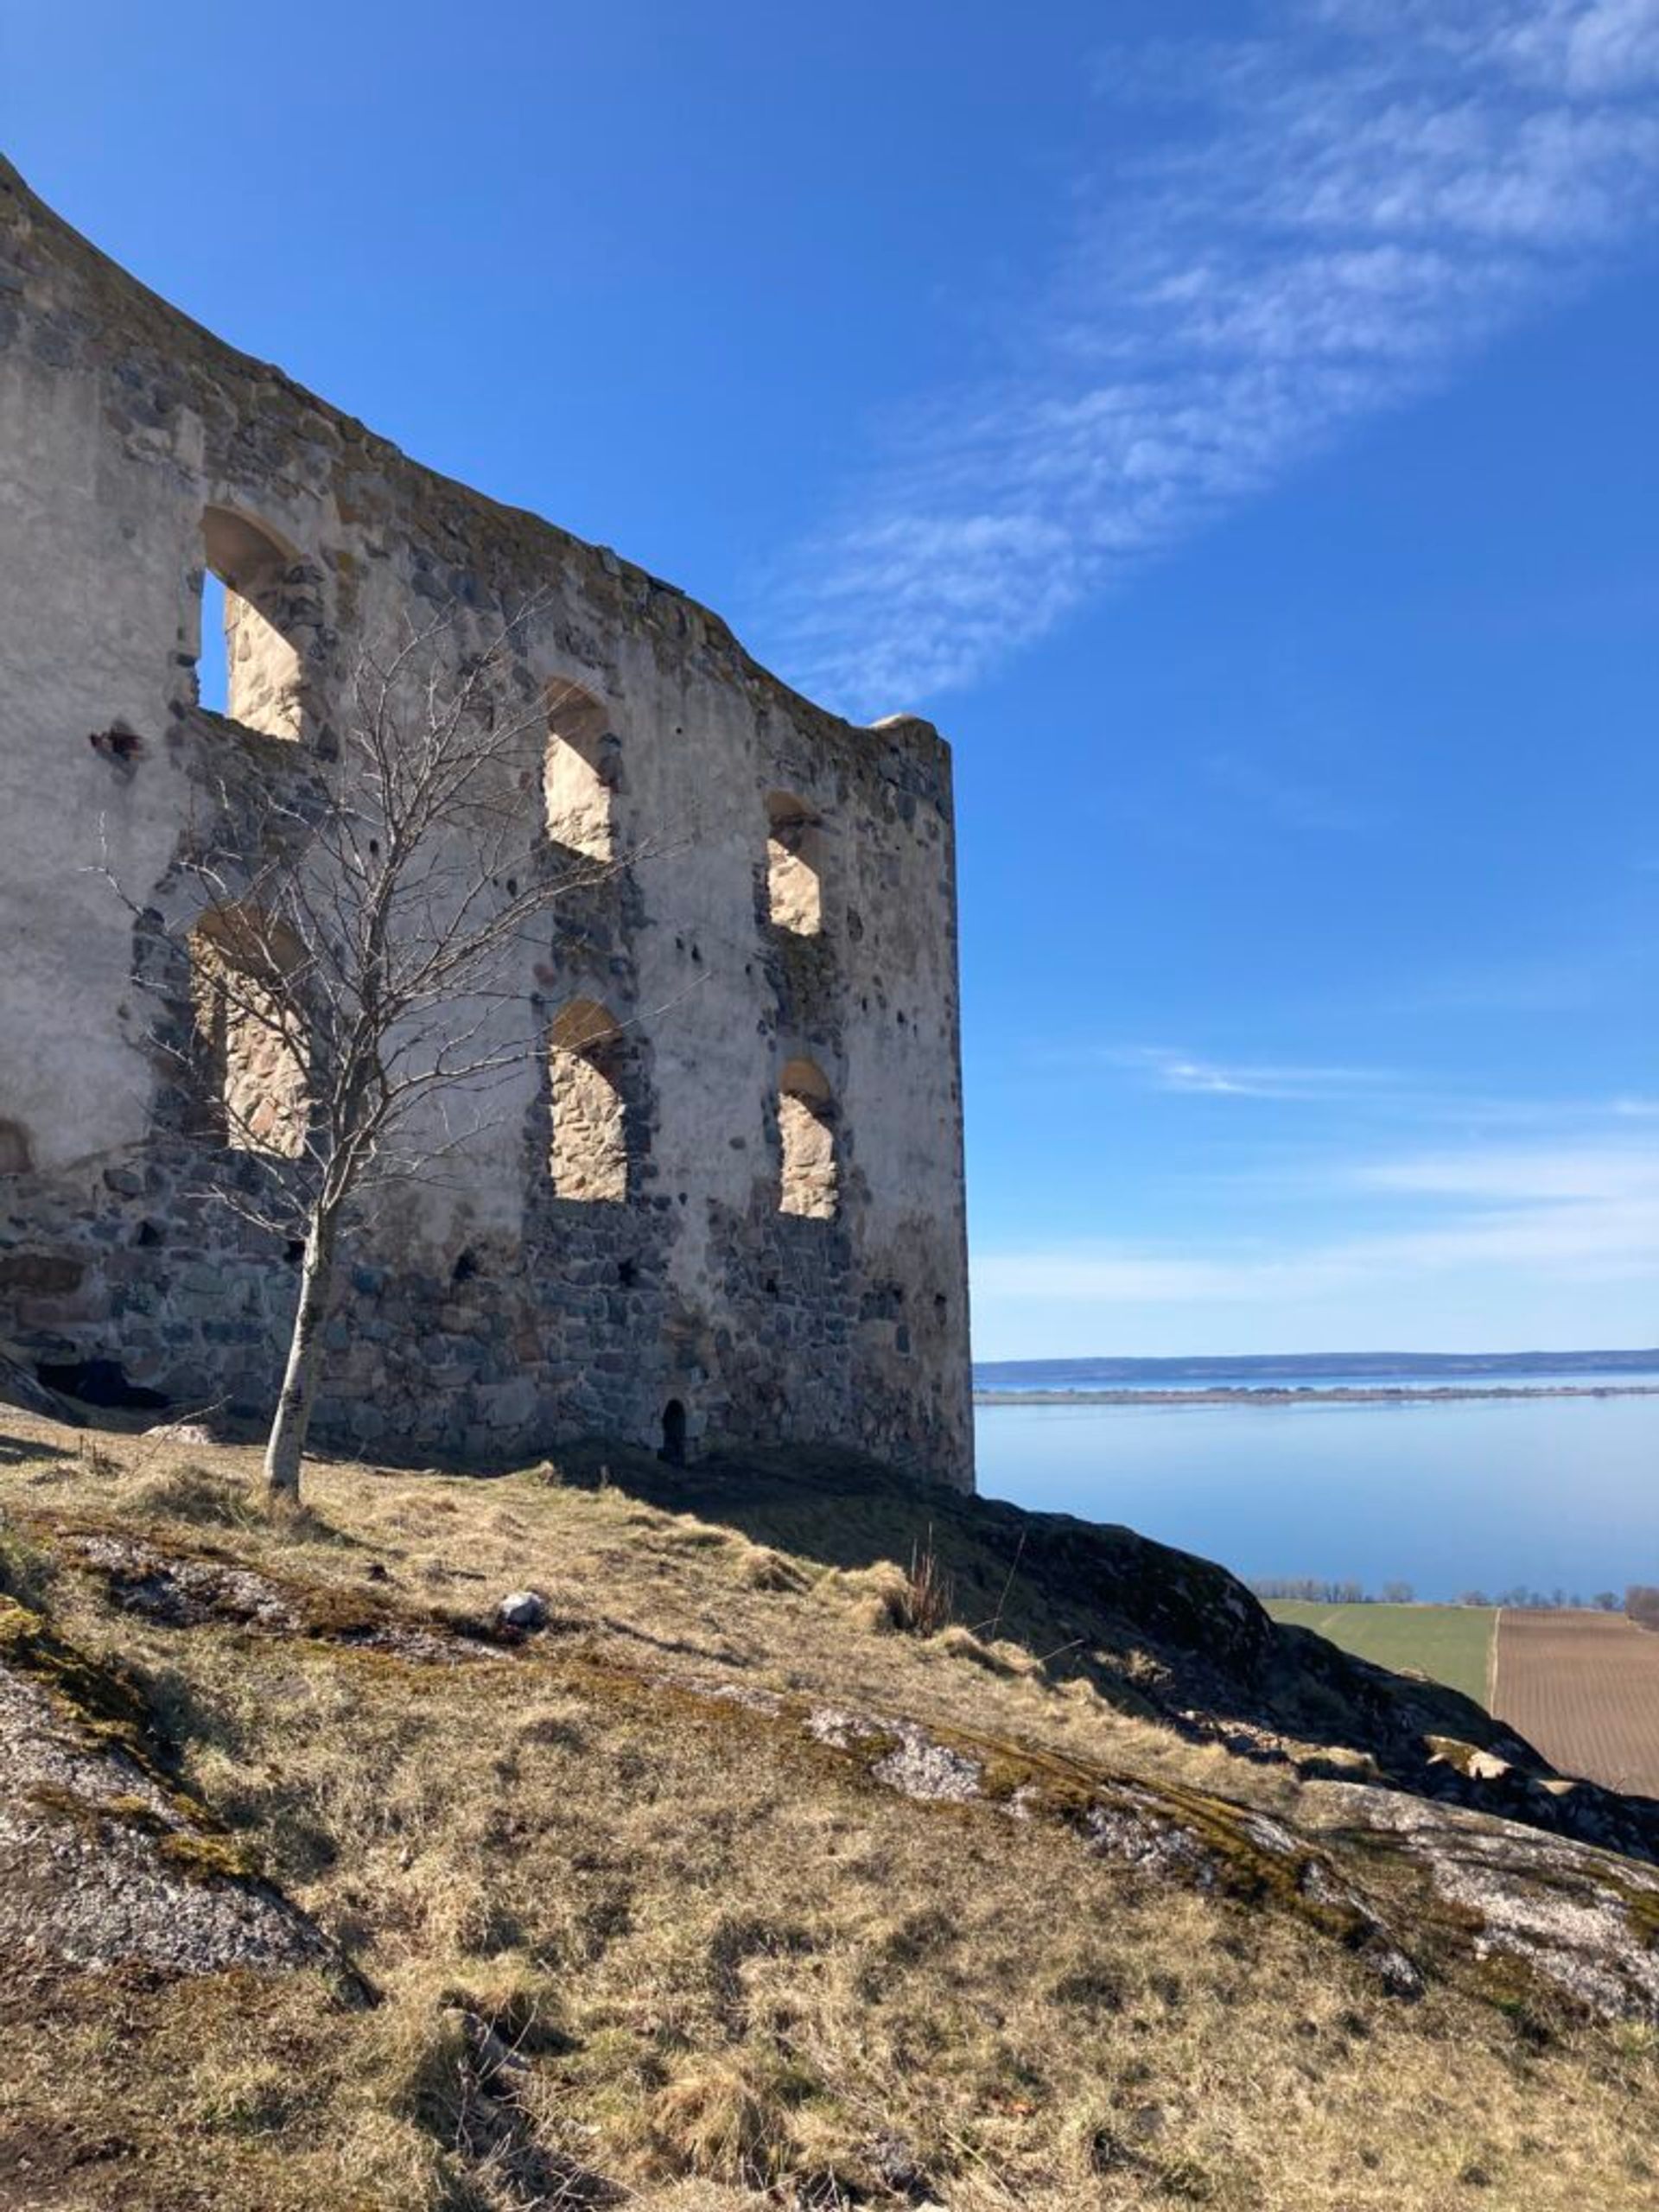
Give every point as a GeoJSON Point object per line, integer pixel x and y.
{"type": "Point", "coordinates": [1414, 1889]}
{"type": "Point", "coordinates": [106, 1860]}
{"type": "Point", "coordinates": [1491, 1871]}
{"type": "Point", "coordinates": [1584, 1920]}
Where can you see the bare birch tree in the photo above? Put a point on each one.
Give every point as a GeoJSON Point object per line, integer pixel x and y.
{"type": "Point", "coordinates": [361, 984]}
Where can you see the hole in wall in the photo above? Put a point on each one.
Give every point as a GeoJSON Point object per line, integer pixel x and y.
{"type": "Point", "coordinates": [118, 743]}
{"type": "Point", "coordinates": [673, 1451]}
{"type": "Point", "coordinates": [809, 1178]}
{"type": "Point", "coordinates": [99, 1383]}
{"type": "Point", "coordinates": [588, 1151]}
{"type": "Point", "coordinates": [213, 672]}
{"type": "Point", "coordinates": [580, 772]}
{"type": "Point", "coordinates": [294, 1250]}
{"type": "Point", "coordinates": [247, 652]}
{"type": "Point", "coordinates": [627, 1272]}
{"type": "Point", "coordinates": [466, 1267]}
{"type": "Point", "coordinates": [794, 865]}
{"type": "Point", "coordinates": [147, 1233]}
{"type": "Point", "coordinates": [246, 985]}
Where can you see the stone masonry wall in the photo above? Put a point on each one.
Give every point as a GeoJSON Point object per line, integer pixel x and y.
{"type": "Point", "coordinates": [773, 974]}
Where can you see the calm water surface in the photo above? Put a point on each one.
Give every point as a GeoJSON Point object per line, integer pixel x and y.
{"type": "Point", "coordinates": [1478, 1494]}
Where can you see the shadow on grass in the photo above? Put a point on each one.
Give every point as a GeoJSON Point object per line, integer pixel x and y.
{"type": "Point", "coordinates": [1156, 1631]}
{"type": "Point", "coordinates": [18, 1451]}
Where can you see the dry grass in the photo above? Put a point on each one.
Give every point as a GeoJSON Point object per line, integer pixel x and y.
{"type": "Point", "coordinates": [627, 1938]}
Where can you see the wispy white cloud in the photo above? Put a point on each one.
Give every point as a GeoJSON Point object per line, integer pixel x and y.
{"type": "Point", "coordinates": [1327, 216]}
{"type": "Point", "coordinates": [1168, 1070]}
{"type": "Point", "coordinates": [1380, 1097]}
{"type": "Point", "coordinates": [1531, 1176]}
{"type": "Point", "coordinates": [1584, 1214]}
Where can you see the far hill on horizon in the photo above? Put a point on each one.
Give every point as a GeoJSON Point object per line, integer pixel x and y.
{"type": "Point", "coordinates": [1297, 1366]}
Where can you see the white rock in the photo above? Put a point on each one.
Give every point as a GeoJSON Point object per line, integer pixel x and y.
{"type": "Point", "coordinates": [523, 1609]}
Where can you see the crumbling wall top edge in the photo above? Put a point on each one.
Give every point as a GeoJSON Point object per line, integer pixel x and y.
{"type": "Point", "coordinates": [123, 314]}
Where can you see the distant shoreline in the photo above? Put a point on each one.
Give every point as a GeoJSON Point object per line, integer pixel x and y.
{"type": "Point", "coordinates": [1311, 1394]}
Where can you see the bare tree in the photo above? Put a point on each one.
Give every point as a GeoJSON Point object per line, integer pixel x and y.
{"type": "Point", "coordinates": [361, 982]}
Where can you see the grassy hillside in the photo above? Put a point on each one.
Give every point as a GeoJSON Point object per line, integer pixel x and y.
{"type": "Point", "coordinates": [739, 1884]}
{"type": "Point", "coordinates": [1449, 1643]}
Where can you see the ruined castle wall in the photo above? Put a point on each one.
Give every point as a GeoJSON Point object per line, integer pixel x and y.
{"type": "Point", "coordinates": [508, 1306]}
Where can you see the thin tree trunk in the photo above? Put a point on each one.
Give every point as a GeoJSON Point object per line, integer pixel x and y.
{"type": "Point", "coordinates": [285, 1447]}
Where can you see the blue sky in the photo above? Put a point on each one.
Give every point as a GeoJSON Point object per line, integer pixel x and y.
{"type": "Point", "coordinates": [1235, 425]}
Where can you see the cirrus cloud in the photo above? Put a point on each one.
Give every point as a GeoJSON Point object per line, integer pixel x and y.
{"type": "Point", "coordinates": [1333, 213]}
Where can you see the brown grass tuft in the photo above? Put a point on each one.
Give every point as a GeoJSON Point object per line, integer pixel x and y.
{"type": "Point", "coordinates": [718, 2118]}
{"type": "Point", "coordinates": [762, 1568]}
{"type": "Point", "coordinates": [929, 1591]}
{"type": "Point", "coordinates": [96, 1461]}
{"type": "Point", "coordinates": [197, 1496]}
{"type": "Point", "coordinates": [27, 1571]}
{"type": "Point", "coordinates": [1006, 1659]}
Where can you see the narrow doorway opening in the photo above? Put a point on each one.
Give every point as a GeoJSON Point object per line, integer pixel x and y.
{"type": "Point", "coordinates": [673, 1451]}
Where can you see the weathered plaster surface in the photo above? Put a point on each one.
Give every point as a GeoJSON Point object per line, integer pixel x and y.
{"type": "Point", "coordinates": [492, 1314]}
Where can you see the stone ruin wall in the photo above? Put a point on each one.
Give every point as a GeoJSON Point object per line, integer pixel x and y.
{"type": "Point", "coordinates": [733, 1182]}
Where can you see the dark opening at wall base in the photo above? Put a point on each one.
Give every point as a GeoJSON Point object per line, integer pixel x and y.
{"type": "Point", "coordinates": [100, 1383]}
{"type": "Point", "coordinates": [673, 1451]}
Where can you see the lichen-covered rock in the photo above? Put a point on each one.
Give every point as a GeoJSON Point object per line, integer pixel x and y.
{"type": "Point", "coordinates": [180, 1591]}
{"type": "Point", "coordinates": [1385, 1874]}
{"type": "Point", "coordinates": [1583, 1919]}
{"type": "Point", "coordinates": [1203, 1842]}
{"type": "Point", "coordinates": [177, 1588]}
{"type": "Point", "coordinates": [182, 1432]}
{"type": "Point", "coordinates": [918, 1767]}
{"type": "Point", "coordinates": [104, 1860]}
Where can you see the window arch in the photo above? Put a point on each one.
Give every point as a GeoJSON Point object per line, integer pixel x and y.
{"type": "Point", "coordinates": [263, 687]}
{"type": "Point", "coordinates": [588, 1151]}
{"type": "Point", "coordinates": [794, 865]}
{"type": "Point", "coordinates": [581, 772]}
{"type": "Point", "coordinates": [247, 987]}
{"type": "Point", "coordinates": [810, 1182]}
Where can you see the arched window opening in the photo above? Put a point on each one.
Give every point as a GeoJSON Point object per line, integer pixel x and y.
{"type": "Point", "coordinates": [249, 595]}
{"type": "Point", "coordinates": [581, 772]}
{"type": "Point", "coordinates": [673, 1451]}
{"type": "Point", "coordinates": [587, 1155]}
{"type": "Point", "coordinates": [794, 865]}
{"type": "Point", "coordinates": [806, 1128]}
{"type": "Point", "coordinates": [246, 991]}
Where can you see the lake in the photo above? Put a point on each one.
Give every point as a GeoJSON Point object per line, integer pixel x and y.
{"type": "Point", "coordinates": [1473, 1494]}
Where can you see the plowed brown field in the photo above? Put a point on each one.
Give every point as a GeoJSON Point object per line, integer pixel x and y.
{"type": "Point", "coordinates": [1584, 1689]}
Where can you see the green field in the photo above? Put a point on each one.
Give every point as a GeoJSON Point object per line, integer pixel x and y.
{"type": "Point", "coordinates": [1450, 1643]}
